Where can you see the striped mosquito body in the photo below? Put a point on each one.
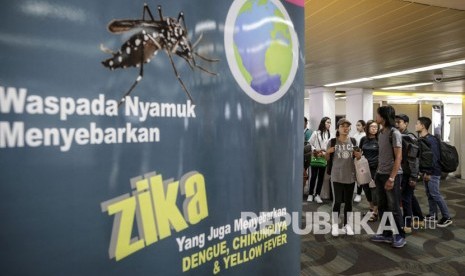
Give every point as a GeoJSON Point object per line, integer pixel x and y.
{"type": "Point", "coordinates": [168, 34]}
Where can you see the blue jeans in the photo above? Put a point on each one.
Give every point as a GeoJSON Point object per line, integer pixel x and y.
{"type": "Point", "coordinates": [434, 197]}
{"type": "Point", "coordinates": [389, 201]}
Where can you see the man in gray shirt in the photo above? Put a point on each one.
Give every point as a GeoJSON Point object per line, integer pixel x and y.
{"type": "Point", "coordinates": [389, 176]}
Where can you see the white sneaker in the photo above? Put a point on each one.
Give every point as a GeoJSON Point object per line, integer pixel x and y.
{"type": "Point", "coordinates": [310, 198]}
{"type": "Point", "coordinates": [349, 231]}
{"type": "Point", "coordinates": [318, 199]}
{"type": "Point", "coordinates": [358, 198]}
{"type": "Point", "coordinates": [335, 230]}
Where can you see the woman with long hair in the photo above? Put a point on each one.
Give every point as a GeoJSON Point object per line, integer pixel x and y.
{"type": "Point", "coordinates": [370, 149]}
{"type": "Point", "coordinates": [319, 141]}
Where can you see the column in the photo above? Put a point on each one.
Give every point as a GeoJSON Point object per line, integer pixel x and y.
{"type": "Point", "coordinates": [320, 103]}
{"type": "Point", "coordinates": [462, 153]}
{"type": "Point", "coordinates": [359, 105]}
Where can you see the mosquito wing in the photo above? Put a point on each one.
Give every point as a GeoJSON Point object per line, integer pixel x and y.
{"type": "Point", "coordinates": [125, 25]}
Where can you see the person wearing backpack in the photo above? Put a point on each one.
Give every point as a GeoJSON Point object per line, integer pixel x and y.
{"type": "Point", "coordinates": [389, 176]}
{"type": "Point", "coordinates": [432, 175]}
{"type": "Point", "coordinates": [340, 154]}
{"type": "Point", "coordinates": [409, 164]}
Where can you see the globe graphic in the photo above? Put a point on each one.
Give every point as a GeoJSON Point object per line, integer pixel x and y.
{"type": "Point", "coordinates": [263, 47]}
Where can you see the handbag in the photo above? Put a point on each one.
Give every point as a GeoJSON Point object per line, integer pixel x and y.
{"type": "Point", "coordinates": [372, 184]}
{"type": "Point", "coordinates": [318, 161]}
{"type": "Point", "coordinates": [362, 171]}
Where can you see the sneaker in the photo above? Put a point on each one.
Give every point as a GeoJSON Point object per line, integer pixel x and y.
{"type": "Point", "coordinates": [335, 230]}
{"type": "Point", "coordinates": [349, 231]}
{"type": "Point", "coordinates": [407, 230]}
{"type": "Point", "coordinates": [381, 238]}
{"type": "Point", "coordinates": [358, 198]}
{"type": "Point", "coordinates": [310, 198]}
{"type": "Point", "coordinates": [398, 241]}
{"type": "Point", "coordinates": [318, 199]}
{"type": "Point", "coordinates": [444, 222]}
{"type": "Point", "coordinates": [431, 218]}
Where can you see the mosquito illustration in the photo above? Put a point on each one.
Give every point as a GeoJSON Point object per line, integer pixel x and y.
{"type": "Point", "coordinates": [168, 34]}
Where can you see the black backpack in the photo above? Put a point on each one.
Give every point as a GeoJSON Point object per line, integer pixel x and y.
{"type": "Point", "coordinates": [410, 154]}
{"type": "Point", "coordinates": [449, 159]}
{"type": "Point", "coordinates": [329, 164]}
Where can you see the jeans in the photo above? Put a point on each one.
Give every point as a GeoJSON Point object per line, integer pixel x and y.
{"type": "Point", "coordinates": [342, 193]}
{"type": "Point", "coordinates": [320, 173]}
{"type": "Point", "coordinates": [410, 204]}
{"type": "Point", "coordinates": [434, 197]}
{"type": "Point", "coordinates": [389, 201]}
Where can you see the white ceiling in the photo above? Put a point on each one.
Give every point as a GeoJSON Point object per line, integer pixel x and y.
{"type": "Point", "coordinates": [351, 39]}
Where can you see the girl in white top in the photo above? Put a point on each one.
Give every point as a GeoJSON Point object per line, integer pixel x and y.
{"type": "Point", "coordinates": [360, 131]}
{"type": "Point", "coordinates": [358, 136]}
{"type": "Point", "coordinates": [319, 141]}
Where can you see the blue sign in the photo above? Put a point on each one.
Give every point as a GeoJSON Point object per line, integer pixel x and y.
{"type": "Point", "coordinates": [159, 138]}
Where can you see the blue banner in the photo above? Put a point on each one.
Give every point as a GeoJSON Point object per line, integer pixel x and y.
{"type": "Point", "coordinates": [160, 139]}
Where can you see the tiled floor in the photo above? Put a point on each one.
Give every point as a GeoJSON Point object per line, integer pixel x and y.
{"type": "Point", "coordinates": [439, 251]}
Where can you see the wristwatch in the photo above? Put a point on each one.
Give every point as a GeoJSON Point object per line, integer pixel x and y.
{"type": "Point", "coordinates": [391, 179]}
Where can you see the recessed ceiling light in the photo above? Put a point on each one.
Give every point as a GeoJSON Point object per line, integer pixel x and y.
{"type": "Point", "coordinates": [347, 82]}
{"type": "Point", "coordinates": [406, 86]}
{"type": "Point", "coordinates": [399, 73]}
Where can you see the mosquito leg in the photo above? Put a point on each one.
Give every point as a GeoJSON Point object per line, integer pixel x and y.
{"type": "Point", "coordinates": [205, 58]}
{"type": "Point", "coordinates": [147, 10]}
{"type": "Point", "coordinates": [201, 68]}
{"type": "Point", "coordinates": [205, 70]}
{"type": "Point", "coordinates": [200, 56]}
{"type": "Point", "coordinates": [181, 16]}
{"type": "Point", "coordinates": [179, 78]}
{"type": "Point", "coordinates": [186, 59]}
{"type": "Point", "coordinates": [159, 12]}
{"type": "Point", "coordinates": [197, 41]}
{"type": "Point", "coordinates": [138, 79]}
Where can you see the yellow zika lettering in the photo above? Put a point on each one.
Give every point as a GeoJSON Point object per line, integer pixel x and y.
{"type": "Point", "coordinates": [153, 206]}
{"type": "Point", "coordinates": [145, 216]}
{"type": "Point", "coordinates": [121, 245]}
{"type": "Point", "coordinates": [167, 213]}
{"type": "Point", "coordinates": [195, 205]}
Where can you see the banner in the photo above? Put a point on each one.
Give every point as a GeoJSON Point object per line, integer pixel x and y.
{"type": "Point", "coordinates": [157, 139]}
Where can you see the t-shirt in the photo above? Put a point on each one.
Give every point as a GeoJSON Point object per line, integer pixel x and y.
{"type": "Point", "coordinates": [307, 135]}
{"type": "Point", "coordinates": [317, 142]}
{"type": "Point", "coordinates": [370, 149]}
{"type": "Point", "coordinates": [358, 136]}
{"type": "Point", "coordinates": [386, 150]}
{"type": "Point", "coordinates": [343, 170]}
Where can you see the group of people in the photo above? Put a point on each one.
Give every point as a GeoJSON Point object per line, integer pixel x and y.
{"type": "Point", "coordinates": [394, 170]}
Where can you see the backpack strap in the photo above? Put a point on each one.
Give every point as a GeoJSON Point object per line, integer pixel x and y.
{"type": "Point", "coordinates": [329, 164]}
{"type": "Point", "coordinates": [354, 141]}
